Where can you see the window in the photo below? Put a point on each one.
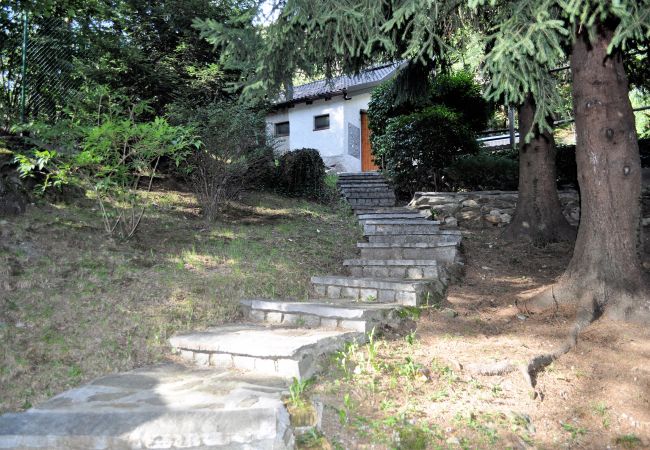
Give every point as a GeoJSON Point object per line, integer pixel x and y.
{"type": "Point", "coordinates": [282, 129]}
{"type": "Point", "coordinates": [321, 122]}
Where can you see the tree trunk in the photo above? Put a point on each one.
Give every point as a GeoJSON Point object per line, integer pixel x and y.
{"type": "Point", "coordinates": [605, 272]}
{"type": "Point", "coordinates": [538, 217]}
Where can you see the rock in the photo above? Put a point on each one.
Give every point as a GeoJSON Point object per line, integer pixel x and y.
{"type": "Point", "coordinates": [449, 313]}
{"type": "Point", "coordinates": [451, 222]}
{"type": "Point", "coordinates": [470, 204]}
{"type": "Point", "coordinates": [471, 214]}
{"type": "Point", "coordinates": [506, 218]}
{"type": "Point", "coordinates": [495, 212]}
{"type": "Point", "coordinates": [646, 221]}
{"type": "Point", "coordinates": [493, 219]}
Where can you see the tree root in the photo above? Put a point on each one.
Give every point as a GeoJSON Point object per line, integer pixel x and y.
{"type": "Point", "coordinates": [536, 364]}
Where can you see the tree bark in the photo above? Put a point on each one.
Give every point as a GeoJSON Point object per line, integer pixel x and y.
{"type": "Point", "coordinates": [605, 272]}
{"type": "Point", "coordinates": [538, 217]}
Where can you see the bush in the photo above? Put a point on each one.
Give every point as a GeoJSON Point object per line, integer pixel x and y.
{"type": "Point", "coordinates": [459, 92]}
{"type": "Point", "coordinates": [416, 147]}
{"type": "Point", "coordinates": [484, 171]}
{"type": "Point", "coordinates": [413, 141]}
{"type": "Point", "coordinates": [301, 173]}
{"type": "Point", "coordinates": [233, 155]}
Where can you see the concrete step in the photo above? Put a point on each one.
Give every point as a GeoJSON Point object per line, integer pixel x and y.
{"type": "Point", "coordinates": [362, 183]}
{"type": "Point", "coordinates": [446, 253]}
{"type": "Point", "coordinates": [412, 269]}
{"type": "Point", "coordinates": [431, 237]}
{"type": "Point", "coordinates": [382, 290]}
{"type": "Point", "coordinates": [283, 352]}
{"type": "Point", "coordinates": [163, 407]}
{"type": "Point", "coordinates": [324, 313]}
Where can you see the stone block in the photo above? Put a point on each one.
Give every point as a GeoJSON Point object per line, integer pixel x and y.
{"type": "Point", "coordinates": [274, 317]}
{"type": "Point", "coordinates": [265, 366]}
{"type": "Point", "coordinates": [329, 323]}
{"type": "Point", "coordinates": [221, 360]}
{"type": "Point", "coordinates": [201, 359]}
{"type": "Point", "coordinates": [320, 290]}
{"type": "Point", "coordinates": [244, 362]}
{"type": "Point", "coordinates": [288, 368]}
{"type": "Point", "coordinates": [386, 296]}
{"type": "Point", "coordinates": [406, 298]}
{"type": "Point", "coordinates": [350, 292]}
{"type": "Point", "coordinates": [366, 294]}
{"type": "Point", "coordinates": [187, 355]}
{"type": "Point", "coordinates": [355, 325]}
{"type": "Point", "coordinates": [414, 273]}
{"type": "Point", "coordinates": [257, 315]}
{"type": "Point", "coordinates": [333, 291]}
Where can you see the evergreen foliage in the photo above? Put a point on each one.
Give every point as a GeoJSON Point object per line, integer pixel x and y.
{"type": "Point", "coordinates": [414, 140]}
{"type": "Point", "coordinates": [415, 148]}
{"type": "Point", "coordinates": [301, 173]}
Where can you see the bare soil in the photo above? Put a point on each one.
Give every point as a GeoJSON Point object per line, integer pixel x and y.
{"type": "Point", "coordinates": [416, 395]}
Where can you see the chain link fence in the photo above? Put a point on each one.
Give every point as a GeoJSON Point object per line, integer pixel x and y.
{"type": "Point", "coordinates": [37, 65]}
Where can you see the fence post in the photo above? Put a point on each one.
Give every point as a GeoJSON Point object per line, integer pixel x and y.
{"type": "Point", "coordinates": [511, 126]}
{"type": "Point", "coordinates": [23, 71]}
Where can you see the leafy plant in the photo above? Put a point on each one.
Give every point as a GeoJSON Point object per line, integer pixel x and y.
{"type": "Point", "coordinates": [233, 155]}
{"type": "Point", "coordinates": [417, 147]}
{"type": "Point", "coordinates": [297, 391]}
{"type": "Point", "coordinates": [121, 155]}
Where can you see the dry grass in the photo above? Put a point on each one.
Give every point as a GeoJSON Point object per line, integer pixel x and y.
{"type": "Point", "coordinates": [413, 394]}
{"type": "Point", "coordinates": [75, 305]}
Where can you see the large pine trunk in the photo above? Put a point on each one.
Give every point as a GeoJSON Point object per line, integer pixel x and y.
{"type": "Point", "coordinates": [605, 272]}
{"type": "Point", "coordinates": [538, 217]}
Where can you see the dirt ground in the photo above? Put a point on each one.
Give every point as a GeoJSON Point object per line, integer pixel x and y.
{"type": "Point", "coordinates": [414, 393]}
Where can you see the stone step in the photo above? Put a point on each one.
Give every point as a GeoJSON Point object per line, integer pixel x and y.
{"type": "Point", "coordinates": [383, 210]}
{"type": "Point", "coordinates": [432, 237]}
{"type": "Point", "coordinates": [370, 202]}
{"type": "Point", "coordinates": [367, 189]}
{"type": "Point", "coordinates": [163, 407]}
{"type": "Point", "coordinates": [283, 352]}
{"type": "Point", "coordinates": [415, 226]}
{"type": "Point", "coordinates": [372, 173]}
{"type": "Point", "coordinates": [412, 269]}
{"type": "Point", "coordinates": [446, 253]}
{"type": "Point", "coordinates": [382, 290]}
{"type": "Point", "coordinates": [321, 313]}
{"type": "Point", "coordinates": [365, 194]}
{"type": "Point", "coordinates": [398, 215]}
{"type": "Point", "coordinates": [363, 183]}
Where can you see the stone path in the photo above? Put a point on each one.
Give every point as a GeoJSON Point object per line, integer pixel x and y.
{"type": "Point", "coordinates": [230, 392]}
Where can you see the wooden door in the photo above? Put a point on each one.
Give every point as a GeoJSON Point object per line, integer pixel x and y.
{"type": "Point", "coordinates": [367, 163]}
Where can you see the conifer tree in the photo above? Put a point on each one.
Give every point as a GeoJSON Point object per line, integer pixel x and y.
{"type": "Point", "coordinates": [605, 274]}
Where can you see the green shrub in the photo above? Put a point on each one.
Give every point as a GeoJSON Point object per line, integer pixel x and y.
{"type": "Point", "coordinates": [416, 147]}
{"type": "Point", "coordinates": [414, 140]}
{"type": "Point", "coordinates": [233, 155]}
{"type": "Point", "coordinates": [301, 173]}
{"type": "Point", "coordinates": [484, 171]}
{"type": "Point", "coordinates": [459, 92]}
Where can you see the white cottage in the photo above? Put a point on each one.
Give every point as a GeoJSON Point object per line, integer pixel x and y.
{"type": "Point", "coordinates": [330, 116]}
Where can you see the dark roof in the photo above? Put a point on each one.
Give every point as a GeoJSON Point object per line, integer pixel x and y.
{"type": "Point", "coordinates": [337, 86]}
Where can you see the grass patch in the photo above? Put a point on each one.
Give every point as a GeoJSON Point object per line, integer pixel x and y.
{"type": "Point", "coordinates": [75, 305]}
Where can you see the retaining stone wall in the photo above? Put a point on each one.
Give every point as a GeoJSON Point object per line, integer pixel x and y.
{"type": "Point", "coordinates": [494, 208]}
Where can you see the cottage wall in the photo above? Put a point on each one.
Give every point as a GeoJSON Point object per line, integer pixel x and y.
{"type": "Point", "coordinates": [340, 145]}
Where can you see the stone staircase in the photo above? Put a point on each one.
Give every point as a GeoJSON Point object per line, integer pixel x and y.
{"type": "Point", "coordinates": [229, 393]}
